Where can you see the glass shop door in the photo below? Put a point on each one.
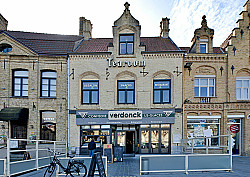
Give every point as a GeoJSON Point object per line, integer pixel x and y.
{"type": "Point", "coordinates": [234, 128]}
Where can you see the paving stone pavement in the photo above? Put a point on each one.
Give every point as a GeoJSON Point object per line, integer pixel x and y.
{"type": "Point", "coordinates": [130, 168]}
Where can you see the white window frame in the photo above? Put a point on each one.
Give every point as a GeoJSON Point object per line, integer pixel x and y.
{"type": "Point", "coordinates": [242, 96]}
{"type": "Point", "coordinates": [199, 86]}
{"type": "Point", "coordinates": [204, 41]}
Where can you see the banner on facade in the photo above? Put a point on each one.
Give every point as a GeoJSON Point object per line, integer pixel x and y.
{"type": "Point", "coordinates": [152, 116]}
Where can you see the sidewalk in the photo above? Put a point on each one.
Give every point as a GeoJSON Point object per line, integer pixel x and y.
{"type": "Point", "coordinates": [130, 168]}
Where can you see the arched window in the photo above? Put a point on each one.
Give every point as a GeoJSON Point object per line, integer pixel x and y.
{"type": "Point", "coordinates": [48, 125]}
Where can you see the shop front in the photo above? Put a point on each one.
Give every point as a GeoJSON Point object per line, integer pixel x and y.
{"type": "Point", "coordinates": [137, 131]}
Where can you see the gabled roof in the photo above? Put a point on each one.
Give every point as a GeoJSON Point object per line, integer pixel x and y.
{"type": "Point", "coordinates": [153, 44]}
{"type": "Point", "coordinates": [50, 44]}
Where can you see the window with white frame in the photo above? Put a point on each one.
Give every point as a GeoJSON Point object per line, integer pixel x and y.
{"type": "Point", "coordinates": [20, 83]}
{"type": "Point", "coordinates": [48, 86]}
{"type": "Point", "coordinates": [204, 86]}
{"type": "Point", "coordinates": [203, 45]}
{"type": "Point", "coordinates": [243, 88]}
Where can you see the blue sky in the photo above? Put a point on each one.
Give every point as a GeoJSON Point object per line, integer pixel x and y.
{"type": "Point", "coordinates": [61, 16]}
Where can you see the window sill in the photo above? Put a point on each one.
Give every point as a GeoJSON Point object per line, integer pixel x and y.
{"type": "Point", "coordinates": [47, 97]}
{"type": "Point", "coordinates": [19, 97]}
{"type": "Point", "coordinates": [205, 96]}
{"type": "Point", "coordinates": [91, 104]}
{"type": "Point", "coordinates": [126, 56]}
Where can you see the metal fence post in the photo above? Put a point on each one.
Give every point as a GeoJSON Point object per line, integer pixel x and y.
{"type": "Point", "coordinates": [37, 155]}
{"type": "Point", "coordinates": [186, 164]}
{"type": "Point", "coordinates": [230, 151]}
{"type": "Point", "coordinates": [206, 145]}
{"type": "Point", "coordinates": [192, 145]}
{"type": "Point", "coordinates": [8, 157]}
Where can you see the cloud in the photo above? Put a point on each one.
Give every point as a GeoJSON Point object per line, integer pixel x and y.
{"type": "Point", "coordinates": [186, 16]}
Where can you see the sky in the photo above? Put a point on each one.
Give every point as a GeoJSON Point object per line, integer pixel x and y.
{"type": "Point", "coordinates": [62, 16]}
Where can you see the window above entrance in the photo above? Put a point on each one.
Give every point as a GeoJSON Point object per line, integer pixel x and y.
{"type": "Point", "coordinates": [126, 92]}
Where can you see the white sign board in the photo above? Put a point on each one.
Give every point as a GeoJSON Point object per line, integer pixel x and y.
{"type": "Point", "coordinates": [124, 115]}
{"type": "Point", "coordinates": [13, 143]}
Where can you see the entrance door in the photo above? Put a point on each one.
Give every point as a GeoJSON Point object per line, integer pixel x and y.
{"type": "Point", "coordinates": [130, 141]}
{"type": "Point", "coordinates": [19, 131]}
{"type": "Point", "coordinates": [234, 128]}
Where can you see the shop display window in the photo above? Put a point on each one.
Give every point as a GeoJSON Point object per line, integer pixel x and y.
{"type": "Point", "coordinates": [203, 128]}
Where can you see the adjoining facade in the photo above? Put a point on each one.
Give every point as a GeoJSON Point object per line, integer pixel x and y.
{"type": "Point", "coordinates": [126, 90]}
{"type": "Point", "coordinates": [33, 96]}
{"type": "Point", "coordinates": [217, 86]}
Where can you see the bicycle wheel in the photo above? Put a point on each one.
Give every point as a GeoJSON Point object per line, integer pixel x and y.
{"type": "Point", "coordinates": [49, 171]}
{"type": "Point", "coordinates": [78, 169]}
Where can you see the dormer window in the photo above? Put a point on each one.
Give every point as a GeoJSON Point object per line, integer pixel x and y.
{"type": "Point", "coordinates": [126, 42]}
{"type": "Point", "coordinates": [204, 46]}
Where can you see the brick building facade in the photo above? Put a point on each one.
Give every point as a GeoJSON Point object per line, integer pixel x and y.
{"type": "Point", "coordinates": [33, 96]}
{"type": "Point", "coordinates": [109, 78]}
{"type": "Point", "coordinates": [115, 78]}
{"type": "Point", "coordinates": [217, 85]}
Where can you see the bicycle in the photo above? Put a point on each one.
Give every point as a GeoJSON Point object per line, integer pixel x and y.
{"type": "Point", "coordinates": [73, 167]}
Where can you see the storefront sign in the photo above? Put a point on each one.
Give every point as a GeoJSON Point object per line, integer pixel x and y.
{"type": "Point", "coordinates": [152, 116]}
{"type": "Point", "coordinates": [48, 116]}
{"type": "Point", "coordinates": [120, 115]}
{"type": "Point", "coordinates": [113, 63]}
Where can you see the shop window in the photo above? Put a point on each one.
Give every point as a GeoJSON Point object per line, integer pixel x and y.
{"type": "Point", "coordinates": [243, 88]}
{"type": "Point", "coordinates": [162, 91]}
{"type": "Point", "coordinates": [48, 86]}
{"type": "Point", "coordinates": [100, 135]}
{"type": "Point", "coordinates": [203, 127]}
{"type": "Point", "coordinates": [48, 125]}
{"type": "Point", "coordinates": [20, 83]}
{"type": "Point", "coordinates": [126, 92]}
{"type": "Point", "coordinates": [204, 87]}
{"type": "Point", "coordinates": [126, 42]}
{"type": "Point", "coordinates": [90, 92]}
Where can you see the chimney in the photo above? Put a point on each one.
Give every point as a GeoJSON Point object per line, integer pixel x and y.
{"type": "Point", "coordinates": [3, 23]}
{"type": "Point", "coordinates": [164, 27]}
{"type": "Point", "coordinates": [85, 28]}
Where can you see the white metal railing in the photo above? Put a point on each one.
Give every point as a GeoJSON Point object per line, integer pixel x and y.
{"type": "Point", "coordinates": [190, 162]}
{"type": "Point", "coordinates": [24, 155]}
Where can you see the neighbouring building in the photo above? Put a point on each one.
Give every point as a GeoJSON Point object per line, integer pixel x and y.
{"type": "Point", "coordinates": [33, 84]}
{"type": "Point", "coordinates": [217, 88]}
{"type": "Point", "coordinates": [126, 90]}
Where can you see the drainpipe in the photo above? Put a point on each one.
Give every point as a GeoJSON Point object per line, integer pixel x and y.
{"type": "Point", "coordinates": [183, 96]}
{"type": "Point", "coordinates": [68, 107]}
